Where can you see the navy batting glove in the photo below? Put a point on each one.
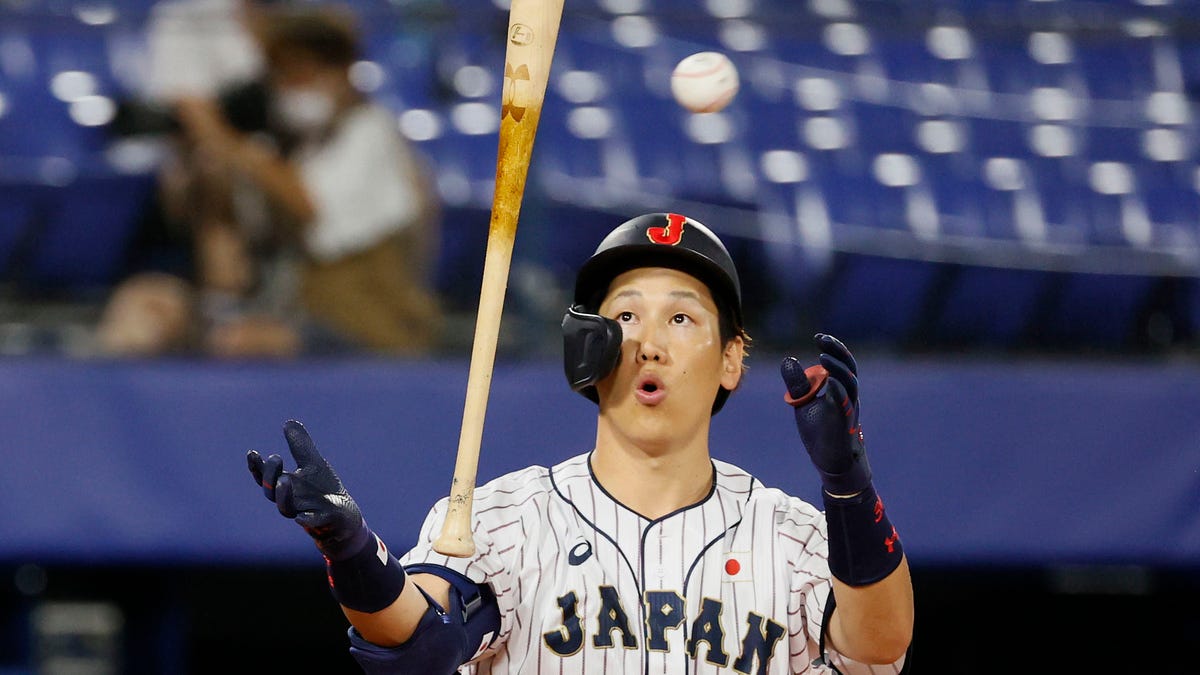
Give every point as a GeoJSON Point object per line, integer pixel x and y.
{"type": "Point", "coordinates": [828, 417]}
{"type": "Point", "coordinates": [312, 494]}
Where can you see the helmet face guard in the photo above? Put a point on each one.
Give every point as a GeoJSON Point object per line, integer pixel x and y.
{"type": "Point", "coordinates": [592, 343]}
{"type": "Point", "coordinates": [591, 349]}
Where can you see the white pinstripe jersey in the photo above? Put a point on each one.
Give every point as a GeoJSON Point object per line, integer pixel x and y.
{"type": "Point", "coordinates": [734, 584]}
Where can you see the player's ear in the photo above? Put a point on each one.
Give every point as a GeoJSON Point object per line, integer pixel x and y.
{"type": "Point", "coordinates": [732, 363]}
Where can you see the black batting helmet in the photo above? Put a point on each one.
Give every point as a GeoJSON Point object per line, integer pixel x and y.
{"type": "Point", "coordinates": [592, 344]}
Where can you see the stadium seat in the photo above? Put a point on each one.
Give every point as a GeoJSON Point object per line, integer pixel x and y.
{"type": "Point", "coordinates": [465, 153]}
{"type": "Point", "coordinates": [77, 48]}
{"type": "Point", "coordinates": [1115, 143]}
{"type": "Point", "coordinates": [847, 185]}
{"type": "Point", "coordinates": [884, 128]}
{"type": "Point", "coordinates": [34, 124]}
{"type": "Point", "coordinates": [1120, 69]}
{"type": "Point", "coordinates": [406, 77]}
{"type": "Point", "coordinates": [1172, 201]}
{"type": "Point", "coordinates": [1117, 214]}
{"type": "Point", "coordinates": [583, 153]}
{"type": "Point", "coordinates": [1008, 204]}
{"type": "Point", "coordinates": [465, 168]}
{"type": "Point", "coordinates": [19, 210]}
{"type": "Point", "coordinates": [1193, 307]}
{"type": "Point", "coordinates": [700, 157]}
{"type": "Point", "coordinates": [989, 307]}
{"type": "Point", "coordinates": [958, 194]}
{"type": "Point", "coordinates": [583, 150]}
{"type": "Point", "coordinates": [827, 49]}
{"type": "Point", "coordinates": [1012, 69]}
{"type": "Point", "coordinates": [1094, 311]}
{"type": "Point", "coordinates": [876, 300]}
{"type": "Point", "coordinates": [82, 243]}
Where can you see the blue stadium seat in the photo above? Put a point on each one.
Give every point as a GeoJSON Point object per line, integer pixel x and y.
{"type": "Point", "coordinates": [84, 238]}
{"type": "Point", "coordinates": [465, 158]}
{"type": "Point", "coordinates": [989, 137]}
{"type": "Point", "coordinates": [623, 69]}
{"type": "Point", "coordinates": [887, 190]}
{"type": "Point", "coordinates": [583, 152]}
{"type": "Point", "coordinates": [797, 233]}
{"type": "Point", "coordinates": [847, 185]}
{"type": "Point", "coordinates": [1171, 197]}
{"type": "Point", "coordinates": [808, 45]}
{"type": "Point", "coordinates": [1117, 214]}
{"type": "Point", "coordinates": [1113, 143]}
{"type": "Point", "coordinates": [908, 59]}
{"type": "Point", "coordinates": [1119, 69]}
{"type": "Point", "coordinates": [884, 128]}
{"type": "Point", "coordinates": [1096, 311]}
{"type": "Point", "coordinates": [1010, 69]}
{"type": "Point", "coordinates": [465, 165]}
{"type": "Point", "coordinates": [1061, 185]}
{"type": "Point", "coordinates": [584, 146]}
{"type": "Point", "coordinates": [78, 48]}
{"type": "Point", "coordinates": [34, 124]}
{"type": "Point", "coordinates": [408, 66]}
{"type": "Point", "coordinates": [989, 307]}
{"type": "Point", "coordinates": [1193, 306]}
{"type": "Point", "coordinates": [1016, 207]}
{"type": "Point", "coordinates": [694, 157]}
{"type": "Point", "coordinates": [875, 300]}
{"type": "Point", "coordinates": [19, 210]}
{"type": "Point", "coordinates": [469, 40]}
{"type": "Point", "coordinates": [958, 192]}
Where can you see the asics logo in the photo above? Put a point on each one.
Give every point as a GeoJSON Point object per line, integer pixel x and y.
{"type": "Point", "coordinates": [579, 553]}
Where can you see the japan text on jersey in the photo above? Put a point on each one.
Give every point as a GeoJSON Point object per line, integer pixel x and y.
{"type": "Point", "coordinates": [736, 583]}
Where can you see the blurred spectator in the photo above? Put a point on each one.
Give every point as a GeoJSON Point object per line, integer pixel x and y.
{"type": "Point", "coordinates": [203, 47]}
{"type": "Point", "coordinates": [152, 314]}
{"type": "Point", "coordinates": [195, 49]}
{"type": "Point", "coordinates": [319, 234]}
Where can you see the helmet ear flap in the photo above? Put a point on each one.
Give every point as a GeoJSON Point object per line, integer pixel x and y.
{"type": "Point", "coordinates": [591, 349]}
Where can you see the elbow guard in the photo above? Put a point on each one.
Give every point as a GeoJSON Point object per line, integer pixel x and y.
{"type": "Point", "coordinates": [444, 639]}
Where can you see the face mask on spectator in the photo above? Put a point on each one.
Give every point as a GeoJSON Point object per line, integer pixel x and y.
{"type": "Point", "coordinates": [304, 110]}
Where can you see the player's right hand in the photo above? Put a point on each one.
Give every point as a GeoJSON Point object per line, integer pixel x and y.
{"type": "Point", "coordinates": [312, 494]}
{"type": "Point", "coordinates": [829, 422]}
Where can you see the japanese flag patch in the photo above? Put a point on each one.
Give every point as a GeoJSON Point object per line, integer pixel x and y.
{"type": "Point", "coordinates": [737, 566]}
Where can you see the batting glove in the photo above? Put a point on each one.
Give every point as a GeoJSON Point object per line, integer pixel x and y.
{"type": "Point", "coordinates": [825, 401]}
{"type": "Point", "coordinates": [313, 495]}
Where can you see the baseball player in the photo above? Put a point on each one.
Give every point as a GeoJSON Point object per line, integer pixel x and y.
{"type": "Point", "coordinates": [643, 555]}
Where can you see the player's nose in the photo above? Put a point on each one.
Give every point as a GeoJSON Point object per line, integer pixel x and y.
{"type": "Point", "coordinates": [651, 346]}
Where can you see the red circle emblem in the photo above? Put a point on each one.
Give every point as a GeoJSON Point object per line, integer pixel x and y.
{"type": "Point", "coordinates": [732, 567]}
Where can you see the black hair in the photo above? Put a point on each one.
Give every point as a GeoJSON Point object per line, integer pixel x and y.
{"type": "Point", "coordinates": [327, 35]}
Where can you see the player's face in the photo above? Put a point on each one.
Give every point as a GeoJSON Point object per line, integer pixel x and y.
{"type": "Point", "coordinates": [672, 360]}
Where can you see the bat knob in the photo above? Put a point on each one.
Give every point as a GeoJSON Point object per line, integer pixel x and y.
{"type": "Point", "coordinates": [454, 547]}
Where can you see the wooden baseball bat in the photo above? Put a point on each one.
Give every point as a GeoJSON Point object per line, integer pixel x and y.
{"type": "Point", "coordinates": [532, 33]}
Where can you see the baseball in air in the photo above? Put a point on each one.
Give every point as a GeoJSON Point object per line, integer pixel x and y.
{"type": "Point", "coordinates": [704, 82]}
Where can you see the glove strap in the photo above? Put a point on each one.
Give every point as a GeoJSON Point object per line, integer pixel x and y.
{"type": "Point", "coordinates": [863, 544]}
{"type": "Point", "coordinates": [369, 580]}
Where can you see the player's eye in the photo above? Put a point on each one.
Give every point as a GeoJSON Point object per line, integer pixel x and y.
{"type": "Point", "coordinates": [625, 317]}
{"type": "Point", "coordinates": [681, 319]}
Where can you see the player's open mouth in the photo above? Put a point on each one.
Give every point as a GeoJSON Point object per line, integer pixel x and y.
{"type": "Point", "coordinates": [650, 390]}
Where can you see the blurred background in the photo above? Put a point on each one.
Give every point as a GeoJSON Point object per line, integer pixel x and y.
{"type": "Point", "coordinates": [995, 203]}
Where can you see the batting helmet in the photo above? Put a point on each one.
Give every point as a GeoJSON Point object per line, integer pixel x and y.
{"type": "Point", "coordinates": [592, 343]}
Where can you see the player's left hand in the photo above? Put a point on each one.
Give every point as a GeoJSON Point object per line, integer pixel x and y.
{"type": "Point", "coordinates": [312, 494]}
{"type": "Point", "coordinates": [829, 421]}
